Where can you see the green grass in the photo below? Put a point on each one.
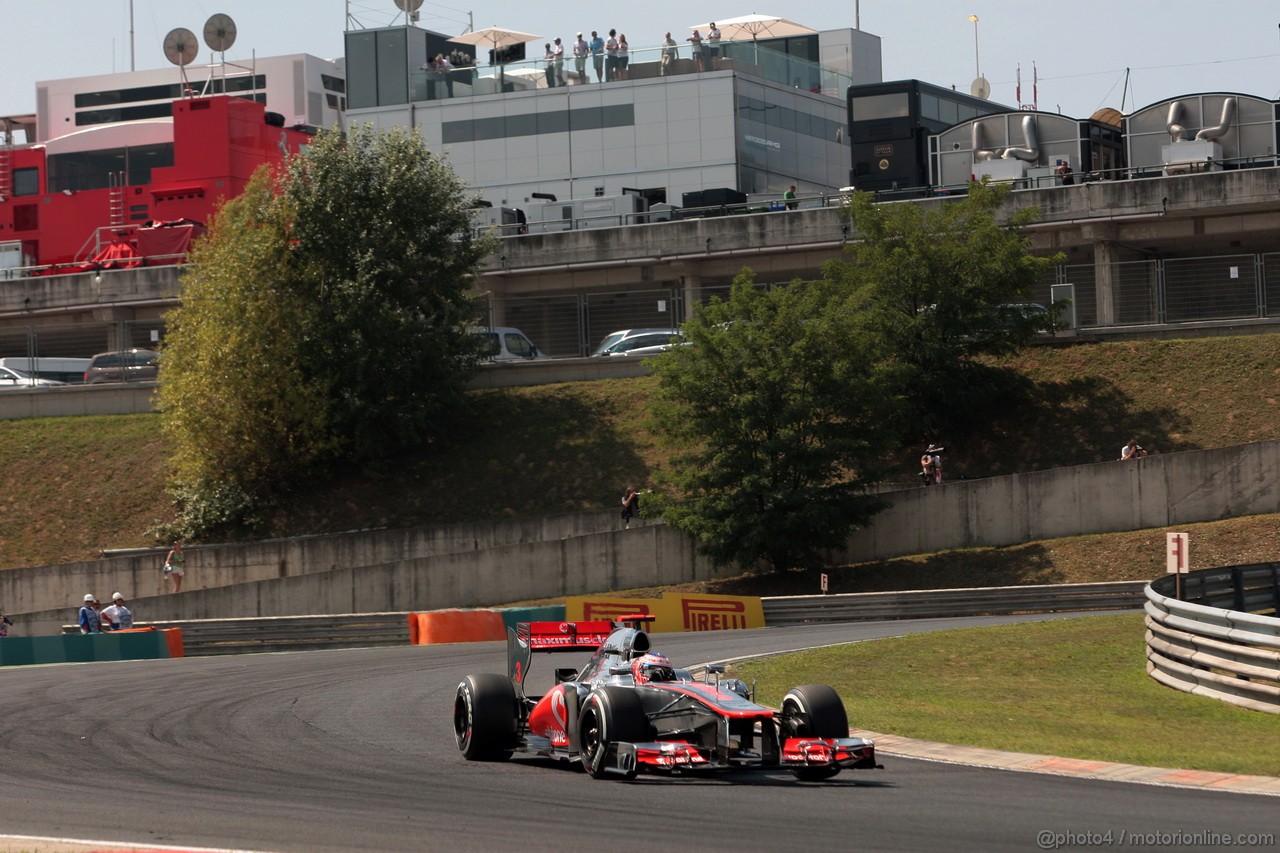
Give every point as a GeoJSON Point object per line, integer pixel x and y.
{"type": "Point", "coordinates": [1076, 688]}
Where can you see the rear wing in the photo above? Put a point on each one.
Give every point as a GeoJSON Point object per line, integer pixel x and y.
{"type": "Point", "coordinates": [529, 637]}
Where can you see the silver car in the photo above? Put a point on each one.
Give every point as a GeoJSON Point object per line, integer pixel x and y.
{"type": "Point", "coordinates": [10, 378]}
{"type": "Point", "coordinates": [638, 342]}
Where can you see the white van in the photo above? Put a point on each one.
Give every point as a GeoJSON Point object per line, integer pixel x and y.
{"type": "Point", "coordinates": [503, 343]}
{"type": "Point", "coordinates": [57, 370]}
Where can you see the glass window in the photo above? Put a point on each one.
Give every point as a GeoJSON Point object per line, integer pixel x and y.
{"type": "Point", "coordinates": [929, 107]}
{"type": "Point", "coordinates": [362, 69]}
{"type": "Point", "coordinates": [393, 67]}
{"type": "Point", "coordinates": [26, 181]}
{"type": "Point", "coordinates": [948, 111]}
{"type": "Point", "coordinates": [518, 345]}
{"type": "Point", "coordinates": [893, 105]}
{"type": "Point", "coordinates": [554, 122]}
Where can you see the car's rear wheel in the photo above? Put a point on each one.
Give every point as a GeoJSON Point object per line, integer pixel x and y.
{"type": "Point", "coordinates": [814, 710]}
{"type": "Point", "coordinates": [610, 715]}
{"type": "Point", "coordinates": [484, 717]}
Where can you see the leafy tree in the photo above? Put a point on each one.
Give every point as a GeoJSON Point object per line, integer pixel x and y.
{"type": "Point", "coordinates": [942, 284]}
{"type": "Point", "coordinates": [777, 410]}
{"type": "Point", "coordinates": [323, 316]}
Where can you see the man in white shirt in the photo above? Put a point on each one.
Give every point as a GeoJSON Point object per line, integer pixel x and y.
{"type": "Point", "coordinates": [580, 52]}
{"type": "Point", "coordinates": [117, 616]}
{"type": "Point", "coordinates": [713, 44]}
{"type": "Point", "coordinates": [558, 52]}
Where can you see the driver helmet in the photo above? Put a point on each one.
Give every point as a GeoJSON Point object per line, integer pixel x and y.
{"type": "Point", "coordinates": [653, 666]}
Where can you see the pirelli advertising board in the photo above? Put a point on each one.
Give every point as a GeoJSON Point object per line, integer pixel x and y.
{"type": "Point", "coordinates": [672, 612]}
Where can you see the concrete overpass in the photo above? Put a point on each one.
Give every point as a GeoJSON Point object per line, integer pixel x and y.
{"type": "Point", "coordinates": [1101, 223]}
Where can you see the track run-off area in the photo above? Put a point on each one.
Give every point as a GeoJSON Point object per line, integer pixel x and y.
{"type": "Point", "coordinates": [353, 750]}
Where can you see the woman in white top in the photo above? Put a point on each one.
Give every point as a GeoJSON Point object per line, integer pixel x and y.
{"type": "Point", "coordinates": [623, 56]}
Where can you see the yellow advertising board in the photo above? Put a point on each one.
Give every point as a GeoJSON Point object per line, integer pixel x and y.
{"type": "Point", "coordinates": [673, 612]}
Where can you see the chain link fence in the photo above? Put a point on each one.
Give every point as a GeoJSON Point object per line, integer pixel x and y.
{"type": "Point", "coordinates": [1152, 292]}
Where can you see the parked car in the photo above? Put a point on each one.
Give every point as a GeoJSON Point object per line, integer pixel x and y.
{"type": "Point", "coordinates": [503, 343]}
{"type": "Point", "coordinates": [638, 342]}
{"type": "Point", "coordinates": [10, 378]}
{"type": "Point", "coordinates": [129, 365]}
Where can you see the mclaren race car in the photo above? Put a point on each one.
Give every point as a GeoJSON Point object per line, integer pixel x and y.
{"type": "Point", "coordinates": [629, 709]}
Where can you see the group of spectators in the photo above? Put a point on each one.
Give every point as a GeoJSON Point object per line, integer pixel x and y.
{"type": "Point", "coordinates": [96, 619]}
{"type": "Point", "coordinates": [609, 57]}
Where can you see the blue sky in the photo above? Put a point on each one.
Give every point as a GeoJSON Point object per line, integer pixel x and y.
{"type": "Point", "coordinates": [1081, 48]}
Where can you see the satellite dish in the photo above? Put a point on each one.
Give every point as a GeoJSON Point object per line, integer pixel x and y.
{"type": "Point", "coordinates": [180, 46]}
{"type": "Point", "coordinates": [980, 88]}
{"type": "Point", "coordinates": [408, 5]}
{"type": "Point", "coordinates": [219, 32]}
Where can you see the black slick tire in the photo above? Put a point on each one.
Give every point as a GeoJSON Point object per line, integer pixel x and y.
{"type": "Point", "coordinates": [484, 717]}
{"type": "Point", "coordinates": [610, 715]}
{"type": "Point", "coordinates": [814, 710]}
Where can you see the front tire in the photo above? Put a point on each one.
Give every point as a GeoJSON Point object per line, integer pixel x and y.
{"type": "Point", "coordinates": [814, 710]}
{"type": "Point", "coordinates": [484, 717]}
{"type": "Point", "coordinates": [610, 715]}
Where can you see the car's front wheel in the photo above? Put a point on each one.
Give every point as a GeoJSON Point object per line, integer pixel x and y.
{"type": "Point", "coordinates": [814, 710]}
{"type": "Point", "coordinates": [610, 715]}
{"type": "Point", "coordinates": [484, 717]}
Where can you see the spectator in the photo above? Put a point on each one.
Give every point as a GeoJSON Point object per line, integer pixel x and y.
{"type": "Point", "coordinates": [1132, 450]}
{"type": "Point", "coordinates": [713, 44]}
{"type": "Point", "coordinates": [550, 59]}
{"type": "Point", "coordinates": [696, 41]}
{"type": "Point", "coordinates": [597, 55]}
{"type": "Point", "coordinates": [117, 617]}
{"type": "Point", "coordinates": [624, 57]}
{"type": "Point", "coordinates": [789, 197]}
{"type": "Point", "coordinates": [611, 57]}
{"type": "Point", "coordinates": [670, 53]}
{"type": "Point", "coordinates": [5, 622]}
{"type": "Point", "coordinates": [558, 53]}
{"type": "Point", "coordinates": [630, 506]}
{"type": "Point", "coordinates": [581, 50]}
{"type": "Point", "coordinates": [931, 465]}
{"type": "Point", "coordinates": [90, 620]}
{"type": "Point", "coordinates": [175, 566]}
{"type": "Point", "coordinates": [1064, 174]}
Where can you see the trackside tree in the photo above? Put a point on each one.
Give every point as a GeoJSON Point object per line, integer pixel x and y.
{"type": "Point", "coordinates": [323, 317]}
{"type": "Point", "coordinates": [777, 412]}
{"type": "Point", "coordinates": [941, 284]}
{"type": "Point", "coordinates": [788, 401]}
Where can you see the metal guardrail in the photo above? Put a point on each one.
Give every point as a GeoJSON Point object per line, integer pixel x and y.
{"type": "Point", "coordinates": [290, 633]}
{"type": "Point", "coordinates": [979, 601]}
{"type": "Point", "coordinates": [364, 630]}
{"type": "Point", "coordinates": [1209, 643]}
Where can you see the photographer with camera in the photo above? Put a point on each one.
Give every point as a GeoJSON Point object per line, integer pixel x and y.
{"type": "Point", "coordinates": [1132, 450]}
{"type": "Point", "coordinates": [931, 465]}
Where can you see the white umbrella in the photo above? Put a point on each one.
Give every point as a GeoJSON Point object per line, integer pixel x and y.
{"type": "Point", "coordinates": [495, 38]}
{"type": "Point", "coordinates": [756, 27]}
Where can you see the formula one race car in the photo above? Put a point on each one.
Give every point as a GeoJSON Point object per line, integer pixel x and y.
{"type": "Point", "coordinates": [629, 709]}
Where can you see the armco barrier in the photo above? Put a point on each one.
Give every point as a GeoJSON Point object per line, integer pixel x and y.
{"type": "Point", "coordinates": [341, 631]}
{"type": "Point", "coordinates": [1209, 644]}
{"type": "Point", "coordinates": [927, 603]}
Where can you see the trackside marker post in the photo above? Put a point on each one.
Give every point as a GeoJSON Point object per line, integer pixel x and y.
{"type": "Point", "coordinates": [823, 581]}
{"type": "Point", "coordinates": [1177, 558]}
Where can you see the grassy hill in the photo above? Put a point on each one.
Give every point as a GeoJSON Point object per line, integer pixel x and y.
{"type": "Point", "coordinates": [70, 487]}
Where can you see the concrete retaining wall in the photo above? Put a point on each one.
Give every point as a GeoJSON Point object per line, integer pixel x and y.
{"type": "Point", "coordinates": [463, 565]}
{"type": "Point", "coordinates": [368, 572]}
{"type": "Point", "coordinates": [1158, 491]}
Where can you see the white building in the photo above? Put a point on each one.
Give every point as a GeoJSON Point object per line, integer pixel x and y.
{"type": "Point", "coordinates": [755, 119]}
{"type": "Point", "coordinates": [301, 88]}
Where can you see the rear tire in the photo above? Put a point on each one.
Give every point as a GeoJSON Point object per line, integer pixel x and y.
{"type": "Point", "coordinates": [814, 710]}
{"type": "Point", "coordinates": [484, 717]}
{"type": "Point", "coordinates": [610, 715]}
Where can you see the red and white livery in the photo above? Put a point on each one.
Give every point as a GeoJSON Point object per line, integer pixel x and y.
{"type": "Point", "coordinates": [629, 709]}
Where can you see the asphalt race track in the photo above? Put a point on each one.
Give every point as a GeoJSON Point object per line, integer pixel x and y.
{"type": "Point", "coordinates": [353, 750]}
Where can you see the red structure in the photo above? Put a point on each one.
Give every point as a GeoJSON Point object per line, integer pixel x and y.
{"type": "Point", "coordinates": [136, 192]}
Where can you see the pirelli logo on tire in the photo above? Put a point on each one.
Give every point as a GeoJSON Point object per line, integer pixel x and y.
{"type": "Point", "coordinates": [674, 611]}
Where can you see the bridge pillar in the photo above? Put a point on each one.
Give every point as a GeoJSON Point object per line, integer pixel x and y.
{"type": "Point", "coordinates": [1105, 256]}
